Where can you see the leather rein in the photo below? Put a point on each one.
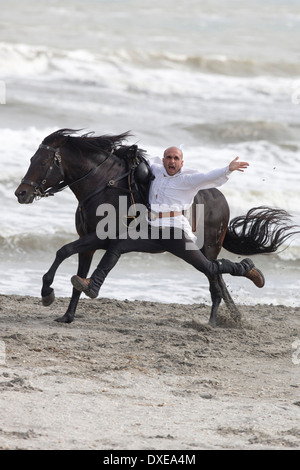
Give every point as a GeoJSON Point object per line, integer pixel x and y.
{"type": "Point", "coordinates": [57, 162]}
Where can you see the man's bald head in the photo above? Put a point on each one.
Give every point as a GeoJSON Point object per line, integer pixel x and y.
{"type": "Point", "coordinates": [173, 160]}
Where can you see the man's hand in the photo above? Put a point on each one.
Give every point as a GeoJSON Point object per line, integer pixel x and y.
{"type": "Point", "coordinates": [239, 166]}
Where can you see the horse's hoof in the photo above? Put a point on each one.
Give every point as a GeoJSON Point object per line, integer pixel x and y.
{"type": "Point", "coordinates": [48, 299]}
{"type": "Point", "coordinates": [65, 319]}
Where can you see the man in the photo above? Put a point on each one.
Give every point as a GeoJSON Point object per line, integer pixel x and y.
{"type": "Point", "coordinates": [172, 191]}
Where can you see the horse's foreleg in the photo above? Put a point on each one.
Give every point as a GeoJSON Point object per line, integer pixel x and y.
{"type": "Point", "coordinates": [89, 241]}
{"type": "Point", "coordinates": [85, 260]}
{"type": "Point", "coordinates": [47, 291]}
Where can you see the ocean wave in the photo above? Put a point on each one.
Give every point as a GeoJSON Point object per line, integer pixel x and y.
{"type": "Point", "coordinates": [289, 253]}
{"type": "Point", "coordinates": [17, 146]}
{"type": "Point", "coordinates": [28, 60]}
{"type": "Point", "coordinates": [215, 64]}
{"type": "Point", "coordinates": [22, 243]}
{"type": "Point", "coordinates": [242, 131]}
{"type": "Point", "coordinates": [22, 59]}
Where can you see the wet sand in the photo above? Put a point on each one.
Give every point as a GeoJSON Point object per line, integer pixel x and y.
{"type": "Point", "coordinates": [144, 375]}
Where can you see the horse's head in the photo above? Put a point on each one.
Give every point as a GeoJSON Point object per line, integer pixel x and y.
{"type": "Point", "coordinates": [45, 171]}
{"type": "Point", "coordinates": [48, 173]}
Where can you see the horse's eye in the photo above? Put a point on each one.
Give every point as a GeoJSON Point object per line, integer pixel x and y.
{"type": "Point", "coordinates": [43, 163]}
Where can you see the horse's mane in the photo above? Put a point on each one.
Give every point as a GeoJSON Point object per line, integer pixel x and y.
{"type": "Point", "coordinates": [87, 142]}
{"type": "Point", "coordinates": [91, 143]}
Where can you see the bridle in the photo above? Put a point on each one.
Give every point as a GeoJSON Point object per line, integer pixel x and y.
{"type": "Point", "coordinates": [40, 192]}
{"type": "Point", "coordinates": [39, 187]}
{"type": "Point", "coordinates": [57, 162]}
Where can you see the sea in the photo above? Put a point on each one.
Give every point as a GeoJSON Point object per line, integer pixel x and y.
{"type": "Point", "coordinates": [221, 79]}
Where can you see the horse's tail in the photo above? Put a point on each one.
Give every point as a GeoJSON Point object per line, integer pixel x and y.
{"type": "Point", "coordinates": [261, 230]}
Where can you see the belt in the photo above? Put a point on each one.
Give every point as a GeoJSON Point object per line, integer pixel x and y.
{"type": "Point", "coordinates": [159, 215]}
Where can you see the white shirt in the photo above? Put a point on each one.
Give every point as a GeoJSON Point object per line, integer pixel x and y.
{"type": "Point", "coordinates": [177, 192]}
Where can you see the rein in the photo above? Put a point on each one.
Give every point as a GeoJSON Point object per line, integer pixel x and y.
{"type": "Point", "coordinates": [109, 184]}
{"type": "Point", "coordinates": [57, 161]}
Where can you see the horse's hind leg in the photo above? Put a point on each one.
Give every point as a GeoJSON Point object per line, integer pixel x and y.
{"type": "Point", "coordinates": [216, 297]}
{"type": "Point", "coordinates": [219, 291]}
{"type": "Point", "coordinates": [233, 310]}
{"type": "Point", "coordinates": [84, 264]}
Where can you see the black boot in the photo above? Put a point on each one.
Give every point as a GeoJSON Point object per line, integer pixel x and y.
{"type": "Point", "coordinates": [92, 285]}
{"type": "Point", "coordinates": [245, 268]}
{"type": "Point", "coordinates": [83, 285]}
{"type": "Point", "coordinates": [97, 278]}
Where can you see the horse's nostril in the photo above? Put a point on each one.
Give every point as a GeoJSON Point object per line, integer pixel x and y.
{"type": "Point", "coordinates": [21, 195]}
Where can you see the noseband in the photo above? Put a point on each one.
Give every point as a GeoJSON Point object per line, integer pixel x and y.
{"type": "Point", "coordinates": [39, 187]}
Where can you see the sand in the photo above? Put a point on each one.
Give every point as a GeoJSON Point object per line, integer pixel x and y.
{"type": "Point", "coordinates": [148, 376]}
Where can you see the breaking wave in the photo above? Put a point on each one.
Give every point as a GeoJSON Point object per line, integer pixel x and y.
{"type": "Point", "coordinates": [27, 60]}
{"type": "Point", "coordinates": [30, 243]}
{"type": "Point", "coordinates": [242, 131]}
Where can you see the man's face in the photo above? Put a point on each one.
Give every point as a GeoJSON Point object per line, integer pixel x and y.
{"type": "Point", "coordinates": [172, 160]}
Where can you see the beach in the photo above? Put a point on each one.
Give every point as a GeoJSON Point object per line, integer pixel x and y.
{"type": "Point", "coordinates": [140, 368]}
{"type": "Point", "coordinates": [145, 375]}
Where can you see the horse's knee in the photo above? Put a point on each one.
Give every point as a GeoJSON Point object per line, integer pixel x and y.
{"type": "Point", "coordinates": [80, 246]}
{"type": "Point", "coordinates": [65, 252]}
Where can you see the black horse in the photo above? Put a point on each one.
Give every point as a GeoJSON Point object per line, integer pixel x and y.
{"type": "Point", "coordinates": [98, 169]}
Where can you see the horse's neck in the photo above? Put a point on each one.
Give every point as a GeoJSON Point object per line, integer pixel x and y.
{"type": "Point", "coordinates": [86, 180]}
